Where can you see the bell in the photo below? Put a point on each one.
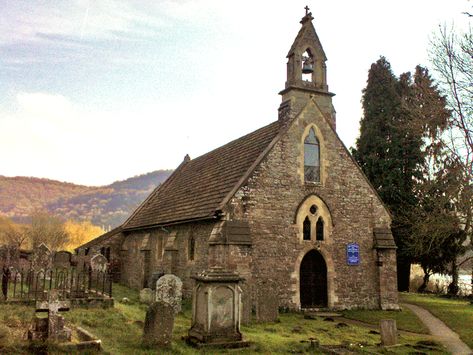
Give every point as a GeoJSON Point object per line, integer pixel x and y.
{"type": "Point", "coordinates": [307, 67]}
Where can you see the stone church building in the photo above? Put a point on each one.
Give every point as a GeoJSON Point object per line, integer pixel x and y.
{"type": "Point", "coordinates": [285, 205]}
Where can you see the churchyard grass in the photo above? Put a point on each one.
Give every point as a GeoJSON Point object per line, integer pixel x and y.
{"type": "Point", "coordinates": [455, 312]}
{"type": "Point", "coordinates": [405, 319]}
{"type": "Point", "coordinates": [121, 329]}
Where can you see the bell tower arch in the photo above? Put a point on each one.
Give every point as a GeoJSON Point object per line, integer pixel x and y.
{"type": "Point", "coordinates": [307, 72]}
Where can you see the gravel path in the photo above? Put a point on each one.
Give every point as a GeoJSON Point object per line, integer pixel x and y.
{"type": "Point", "coordinates": [440, 331]}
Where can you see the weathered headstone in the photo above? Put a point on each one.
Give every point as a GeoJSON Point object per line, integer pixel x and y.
{"type": "Point", "coordinates": [99, 263]}
{"type": "Point", "coordinates": [169, 290]}
{"type": "Point", "coordinates": [51, 328]}
{"type": "Point", "coordinates": [62, 259]}
{"type": "Point", "coordinates": [246, 304]}
{"type": "Point", "coordinates": [42, 258]}
{"type": "Point", "coordinates": [41, 263]}
{"type": "Point", "coordinates": [155, 276]}
{"type": "Point", "coordinates": [388, 332]}
{"type": "Point", "coordinates": [267, 302]}
{"type": "Point", "coordinates": [159, 324]}
{"type": "Point", "coordinates": [147, 296]}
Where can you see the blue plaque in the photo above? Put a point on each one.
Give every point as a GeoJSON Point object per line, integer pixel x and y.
{"type": "Point", "coordinates": [353, 254]}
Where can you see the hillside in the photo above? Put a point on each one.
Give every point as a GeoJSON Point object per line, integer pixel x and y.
{"type": "Point", "coordinates": [106, 206]}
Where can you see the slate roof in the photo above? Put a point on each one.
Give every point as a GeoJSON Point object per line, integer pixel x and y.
{"type": "Point", "coordinates": [198, 188]}
{"type": "Point", "coordinates": [383, 239]}
{"type": "Point", "coordinates": [101, 238]}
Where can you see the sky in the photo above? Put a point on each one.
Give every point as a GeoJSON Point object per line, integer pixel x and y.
{"type": "Point", "coordinates": [94, 91]}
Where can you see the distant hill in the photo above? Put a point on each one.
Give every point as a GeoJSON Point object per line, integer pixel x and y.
{"type": "Point", "coordinates": [106, 206]}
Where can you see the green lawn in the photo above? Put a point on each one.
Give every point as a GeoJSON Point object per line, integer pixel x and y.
{"type": "Point", "coordinates": [121, 328]}
{"type": "Point", "coordinates": [405, 319]}
{"type": "Point", "coordinates": [456, 313]}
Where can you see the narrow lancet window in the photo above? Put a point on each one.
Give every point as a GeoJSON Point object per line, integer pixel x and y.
{"type": "Point", "coordinates": [319, 229]}
{"type": "Point", "coordinates": [191, 248]}
{"type": "Point", "coordinates": [311, 157]}
{"type": "Point", "coordinates": [306, 229]}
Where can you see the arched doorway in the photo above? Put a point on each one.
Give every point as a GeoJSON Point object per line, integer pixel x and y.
{"type": "Point", "coordinates": [313, 280]}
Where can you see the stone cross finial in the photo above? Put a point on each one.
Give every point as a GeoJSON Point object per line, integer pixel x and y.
{"type": "Point", "coordinates": [306, 10]}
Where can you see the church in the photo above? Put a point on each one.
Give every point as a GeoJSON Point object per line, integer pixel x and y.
{"type": "Point", "coordinates": [285, 204]}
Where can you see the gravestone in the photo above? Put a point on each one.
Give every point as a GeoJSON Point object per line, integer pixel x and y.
{"type": "Point", "coordinates": [62, 259]}
{"type": "Point", "coordinates": [42, 258]}
{"type": "Point", "coordinates": [159, 324]}
{"type": "Point", "coordinates": [169, 290]}
{"type": "Point", "coordinates": [51, 328]}
{"type": "Point", "coordinates": [216, 310]}
{"type": "Point", "coordinates": [155, 276]}
{"type": "Point", "coordinates": [388, 332]}
{"type": "Point", "coordinates": [246, 303]}
{"type": "Point", "coordinates": [147, 296]}
{"type": "Point", "coordinates": [267, 302]}
{"type": "Point", "coordinates": [41, 263]}
{"type": "Point", "coordinates": [99, 263]}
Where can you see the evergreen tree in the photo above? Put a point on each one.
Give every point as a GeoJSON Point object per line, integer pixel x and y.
{"type": "Point", "coordinates": [401, 121]}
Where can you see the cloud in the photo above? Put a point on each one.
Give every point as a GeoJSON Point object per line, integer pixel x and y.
{"type": "Point", "coordinates": [48, 135]}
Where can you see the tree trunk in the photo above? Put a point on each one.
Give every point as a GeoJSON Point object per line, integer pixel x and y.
{"type": "Point", "coordinates": [425, 282]}
{"type": "Point", "coordinates": [403, 274]}
{"type": "Point", "coordinates": [453, 287]}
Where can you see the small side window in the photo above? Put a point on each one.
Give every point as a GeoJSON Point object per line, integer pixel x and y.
{"type": "Point", "coordinates": [191, 252]}
{"type": "Point", "coordinates": [319, 229]}
{"type": "Point", "coordinates": [306, 228]}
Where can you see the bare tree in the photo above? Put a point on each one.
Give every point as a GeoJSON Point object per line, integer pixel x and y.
{"type": "Point", "coordinates": [48, 229]}
{"type": "Point", "coordinates": [452, 60]}
{"type": "Point", "coordinates": [12, 234]}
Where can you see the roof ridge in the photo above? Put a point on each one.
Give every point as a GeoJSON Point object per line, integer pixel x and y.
{"type": "Point", "coordinates": [198, 187]}
{"type": "Point", "coordinates": [233, 141]}
{"type": "Point", "coordinates": [157, 190]}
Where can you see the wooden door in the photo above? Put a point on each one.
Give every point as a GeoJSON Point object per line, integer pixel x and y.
{"type": "Point", "coordinates": [313, 280]}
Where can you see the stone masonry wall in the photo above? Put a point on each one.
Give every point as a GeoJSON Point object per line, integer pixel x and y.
{"type": "Point", "coordinates": [270, 200]}
{"type": "Point", "coordinates": [113, 242]}
{"type": "Point", "coordinates": [137, 244]}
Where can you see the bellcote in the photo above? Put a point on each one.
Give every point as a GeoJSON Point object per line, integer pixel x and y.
{"type": "Point", "coordinates": [306, 70]}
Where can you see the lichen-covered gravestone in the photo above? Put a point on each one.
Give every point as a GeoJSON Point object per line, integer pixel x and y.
{"type": "Point", "coordinates": [147, 296]}
{"type": "Point", "coordinates": [42, 258]}
{"type": "Point", "coordinates": [267, 302]}
{"type": "Point", "coordinates": [388, 332]}
{"type": "Point", "coordinates": [41, 262]}
{"type": "Point", "coordinates": [169, 290]}
{"type": "Point", "coordinates": [159, 324]}
{"type": "Point", "coordinates": [99, 263]}
{"type": "Point", "coordinates": [53, 327]}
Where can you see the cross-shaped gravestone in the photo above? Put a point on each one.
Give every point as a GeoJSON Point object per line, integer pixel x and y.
{"type": "Point", "coordinates": [56, 328]}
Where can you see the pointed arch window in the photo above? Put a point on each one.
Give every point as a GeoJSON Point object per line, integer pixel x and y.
{"type": "Point", "coordinates": [311, 157]}
{"type": "Point", "coordinates": [306, 229]}
{"type": "Point", "coordinates": [319, 229]}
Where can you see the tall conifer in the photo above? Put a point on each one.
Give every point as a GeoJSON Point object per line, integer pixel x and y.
{"type": "Point", "coordinates": [398, 117]}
